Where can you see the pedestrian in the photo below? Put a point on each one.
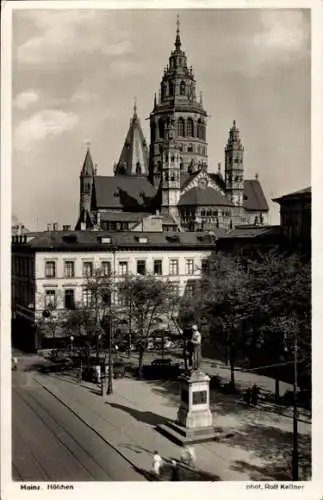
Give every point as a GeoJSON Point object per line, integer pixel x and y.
{"type": "Point", "coordinates": [175, 472]}
{"type": "Point", "coordinates": [248, 396]}
{"type": "Point", "coordinates": [157, 463]}
{"type": "Point", "coordinates": [191, 456]}
{"type": "Point", "coordinates": [14, 363]}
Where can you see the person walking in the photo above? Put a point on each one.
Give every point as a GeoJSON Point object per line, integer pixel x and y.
{"type": "Point", "coordinates": [157, 463]}
{"type": "Point", "coordinates": [175, 472]}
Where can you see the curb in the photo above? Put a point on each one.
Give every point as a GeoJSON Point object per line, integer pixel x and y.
{"type": "Point", "coordinates": [94, 430]}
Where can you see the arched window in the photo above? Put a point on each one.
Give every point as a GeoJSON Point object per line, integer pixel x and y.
{"type": "Point", "coordinates": [161, 128]}
{"type": "Point", "coordinates": [181, 127]}
{"type": "Point", "coordinates": [163, 90]}
{"type": "Point", "coordinates": [182, 88]}
{"type": "Point", "coordinates": [153, 132]}
{"type": "Point", "coordinates": [170, 89]}
{"type": "Point", "coordinates": [190, 148]}
{"type": "Point", "coordinates": [202, 213]}
{"type": "Point", "coordinates": [190, 127]}
{"type": "Point", "coordinates": [199, 129]}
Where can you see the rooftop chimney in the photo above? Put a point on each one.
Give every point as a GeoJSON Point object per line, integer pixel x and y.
{"type": "Point", "coordinates": [55, 226]}
{"type": "Point", "coordinates": [66, 227]}
{"type": "Point", "coordinates": [83, 226]}
{"type": "Point", "coordinates": [49, 227]}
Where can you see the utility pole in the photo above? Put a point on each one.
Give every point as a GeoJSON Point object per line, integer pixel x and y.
{"type": "Point", "coordinates": [110, 374]}
{"type": "Point", "coordinates": [295, 431]}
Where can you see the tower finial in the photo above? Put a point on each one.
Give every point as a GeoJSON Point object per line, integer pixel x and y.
{"type": "Point", "coordinates": [135, 106]}
{"type": "Point", "coordinates": [178, 38]}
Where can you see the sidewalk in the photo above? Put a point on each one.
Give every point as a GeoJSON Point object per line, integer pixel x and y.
{"type": "Point", "coordinates": [213, 367]}
{"type": "Point", "coordinates": [254, 446]}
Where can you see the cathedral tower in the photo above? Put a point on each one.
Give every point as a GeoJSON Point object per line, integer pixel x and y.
{"type": "Point", "coordinates": [134, 155]}
{"type": "Point", "coordinates": [170, 182]}
{"type": "Point", "coordinates": [234, 167]}
{"type": "Point", "coordinates": [86, 182]}
{"type": "Point", "coordinates": [177, 100]}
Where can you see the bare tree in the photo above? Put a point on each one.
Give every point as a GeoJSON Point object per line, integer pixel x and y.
{"type": "Point", "coordinates": [150, 298]}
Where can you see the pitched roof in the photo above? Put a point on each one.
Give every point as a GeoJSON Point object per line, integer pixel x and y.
{"type": "Point", "coordinates": [122, 216]}
{"type": "Point", "coordinates": [251, 231]}
{"type": "Point", "coordinates": [134, 155]}
{"type": "Point", "coordinates": [207, 196]}
{"type": "Point", "coordinates": [88, 168]}
{"type": "Point", "coordinates": [94, 240]}
{"type": "Point", "coordinates": [301, 192]}
{"type": "Point", "coordinates": [123, 192]}
{"type": "Point", "coordinates": [253, 196]}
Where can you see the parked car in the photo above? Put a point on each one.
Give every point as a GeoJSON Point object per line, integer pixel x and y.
{"type": "Point", "coordinates": [161, 368]}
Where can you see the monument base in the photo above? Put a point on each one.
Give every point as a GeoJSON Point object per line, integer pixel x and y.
{"type": "Point", "coordinates": [194, 418]}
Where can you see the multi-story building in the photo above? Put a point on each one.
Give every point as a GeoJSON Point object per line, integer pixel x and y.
{"type": "Point", "coordinates": [50, 269]}
{"type": "Point", "coordinates": [172, 174]}
{"type": "Point", "coordinates": [292, 235]}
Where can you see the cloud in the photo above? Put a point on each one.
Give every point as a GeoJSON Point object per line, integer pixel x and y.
{"type": "Point", "coordinates": [126, 68]}
{"type": "Point", "coordinates": [25, 99]}
{"type": "Point", "coordinates": [46, 123]}
{"type": "Point", "coordinates": [283, 36]}
{"type": "Point", "coordinates": [61, 35]}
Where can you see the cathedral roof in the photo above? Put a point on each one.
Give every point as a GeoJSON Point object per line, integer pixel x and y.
{"type": "Point", "coordinates": [202, 197]}
{"type": "Point", "coordinates": [88, 167]}
{"type": "Point", "coordinates": [123, 192]}
{"type": "Point", "coordinates": [134, 155]}
{"type": "Point", "coordinates": [253, 196]}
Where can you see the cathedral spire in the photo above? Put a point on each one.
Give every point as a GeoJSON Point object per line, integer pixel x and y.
{"type": "Point", "coordinates": [178, 42]}
{"type": "Point", "coordinates": [88, 168]}
{"type": "Point", "coordinates": [135, 107]}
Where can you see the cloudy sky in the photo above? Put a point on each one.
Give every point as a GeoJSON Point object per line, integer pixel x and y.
{"type": "Point", "coordinates": [76, 72]}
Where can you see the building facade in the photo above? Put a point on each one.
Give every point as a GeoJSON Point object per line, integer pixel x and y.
{"type": "Point", "coordinates": [50, 270]}
{"type": "Point", "coordinates": [174, 175]}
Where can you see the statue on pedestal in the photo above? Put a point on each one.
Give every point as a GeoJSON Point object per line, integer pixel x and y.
{"type": "Point", "coordinates": [194, 349]}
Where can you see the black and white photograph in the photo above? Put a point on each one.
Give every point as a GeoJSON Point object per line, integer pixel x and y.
{"type": "Point", "coordinates": [160, 321]}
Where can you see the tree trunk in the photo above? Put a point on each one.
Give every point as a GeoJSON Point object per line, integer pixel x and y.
{"type": "Point", "coordinates": [232, 367]}
{"type": "Point", "coordinates": [277, 390]}
{"type": "Point", "coordinates": [97, 350]}
{"type": "Point", "coordinates": [141, 358]}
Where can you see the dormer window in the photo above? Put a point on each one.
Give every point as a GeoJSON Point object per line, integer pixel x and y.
{"type": "Point", "coordinates": [106, 239]}
{"type": "Point", "coordinates": [143, 239]}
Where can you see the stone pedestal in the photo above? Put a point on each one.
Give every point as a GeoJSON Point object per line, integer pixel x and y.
{"type": "Point", "coordinates": [194, 417]}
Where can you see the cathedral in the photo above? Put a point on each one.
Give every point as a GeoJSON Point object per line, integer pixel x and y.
{"type": "Point", "coordinates": [168, 185]}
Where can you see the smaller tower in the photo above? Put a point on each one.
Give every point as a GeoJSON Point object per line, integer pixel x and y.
{"type": "Point", "coordinates": [170, 184]}
{"type": "Point", "coordinates": [234, 167]}
{"type": "Point", "coordinates": [86, 182]}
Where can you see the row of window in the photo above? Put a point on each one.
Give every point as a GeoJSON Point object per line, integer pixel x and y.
{"type": "Point", "coordinates": [189, 148]}
{"type": "Point", "coordinates": [115, 226]}
{"type": "Point", "coordinates": [123, 268]}
{"type": "Point", "coordinates": [87, 297]}
{"type": "Point", "coordinates": [168, 88]}
{"type": "Point", "coordinates": [184, 128]}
